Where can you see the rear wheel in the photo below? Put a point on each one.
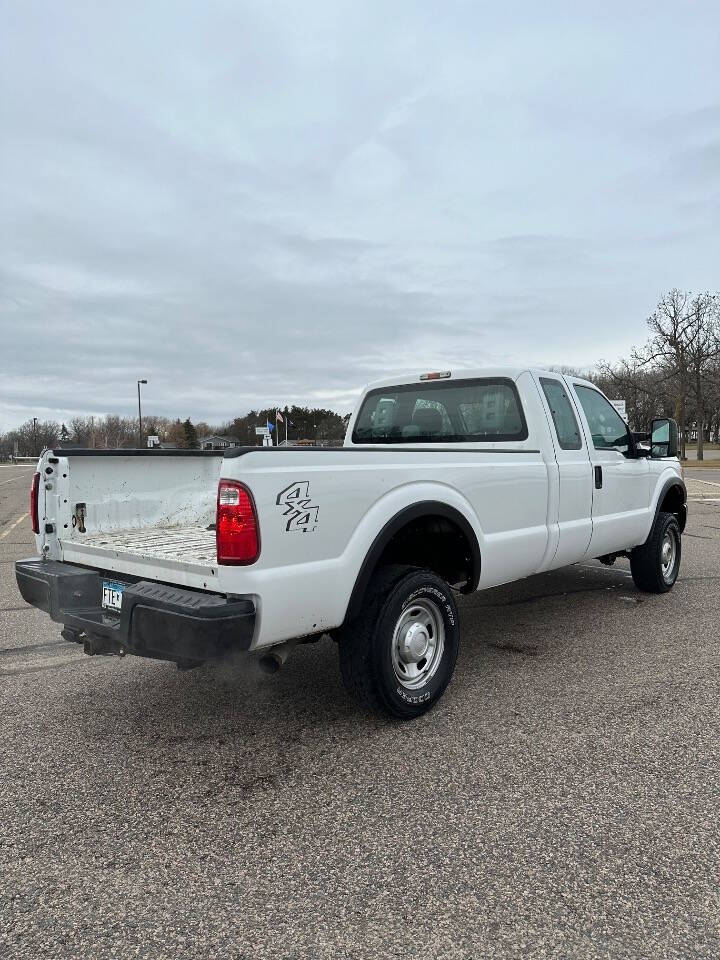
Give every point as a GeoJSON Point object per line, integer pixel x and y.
{"type": "Point", "coordinates": [656, 564]}
{"type": "Point", "coordinates": [399, 655]}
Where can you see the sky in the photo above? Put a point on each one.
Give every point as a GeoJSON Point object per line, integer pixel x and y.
{"type": "Point", "coordinates": [267, 203]}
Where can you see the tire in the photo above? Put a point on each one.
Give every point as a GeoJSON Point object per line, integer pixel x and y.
{"type": "Point", "coordinates": [398, 656]}
{"type": "Point", "coordinates": [656, 564]}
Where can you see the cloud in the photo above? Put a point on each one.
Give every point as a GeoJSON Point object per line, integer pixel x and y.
{"type": "Point", "coordinates": [251, 204]}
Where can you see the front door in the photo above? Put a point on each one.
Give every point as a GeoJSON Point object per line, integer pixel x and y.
{"type": "Point", "coordinates": [621, 482]}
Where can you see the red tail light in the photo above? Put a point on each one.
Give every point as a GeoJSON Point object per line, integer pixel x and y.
{"type": "Point", "coordinates": [34, 492]}
{"type": "Point", "coordinates": [236, 526]}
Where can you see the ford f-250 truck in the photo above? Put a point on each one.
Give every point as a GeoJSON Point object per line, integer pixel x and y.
{"type": "Point", "coordinates": [451, 481]}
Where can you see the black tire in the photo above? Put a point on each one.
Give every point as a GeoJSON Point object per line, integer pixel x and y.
{"type": "Point", "coordinates": [370, 668]}
{"type": "Point", "coordinates": [646, 562]}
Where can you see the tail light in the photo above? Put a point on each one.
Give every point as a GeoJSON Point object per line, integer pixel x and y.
{"type": "Point", "coordinates": [236, 525]}
{"type": "Point", "coordinates": [34, 493]}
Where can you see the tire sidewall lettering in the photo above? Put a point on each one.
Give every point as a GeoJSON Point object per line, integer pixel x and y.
{"type": "Point", "coordinates": [436, 595]}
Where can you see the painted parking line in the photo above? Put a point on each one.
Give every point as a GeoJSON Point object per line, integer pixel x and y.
{"type": "Point", "coordinates": [710, 483]}
{"type": "Point", "coordinates": [20, 476]}
{"type": "Point", "coordinates": [12, 526]}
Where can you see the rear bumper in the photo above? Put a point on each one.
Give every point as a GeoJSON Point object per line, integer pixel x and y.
{"type": "Point", "coordinates": [157, 621]}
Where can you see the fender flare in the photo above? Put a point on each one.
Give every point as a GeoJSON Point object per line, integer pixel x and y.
{"type": "Point", "coordinates": [664, 490]}
{"type": "Point", "coordinates": [415, 511]}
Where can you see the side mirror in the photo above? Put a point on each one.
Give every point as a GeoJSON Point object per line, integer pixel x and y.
{"type": "Point", "coordinates": [664, 440]}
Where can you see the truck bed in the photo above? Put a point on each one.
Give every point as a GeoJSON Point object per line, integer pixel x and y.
{"type": "Point", "coordinates": [188, 553]}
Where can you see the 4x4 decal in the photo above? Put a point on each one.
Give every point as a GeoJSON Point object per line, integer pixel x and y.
{"type": "Point", "coordinates": [298, 507]}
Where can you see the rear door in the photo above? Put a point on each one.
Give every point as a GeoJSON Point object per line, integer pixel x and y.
{"type": "Point", "coordinates": [621, 481]}
{"type": "Point", "coordinates": [575, 474]}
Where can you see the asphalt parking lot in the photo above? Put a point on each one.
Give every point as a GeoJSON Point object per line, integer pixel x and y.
{"type": "Point", "coordinates": [561, 801]}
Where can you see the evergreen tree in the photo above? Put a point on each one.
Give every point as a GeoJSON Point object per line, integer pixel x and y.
{"type": "Point", "coordinates": [190, 434]}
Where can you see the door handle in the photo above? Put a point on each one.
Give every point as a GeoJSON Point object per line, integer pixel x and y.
{"type": "Point", "coordinates": [598, 478]}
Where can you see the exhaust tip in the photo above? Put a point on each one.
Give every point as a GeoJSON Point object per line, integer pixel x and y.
{"type": "Point", "coordinates": [276, 656]}
{"type": "Point", "coordinates": [270, 664]}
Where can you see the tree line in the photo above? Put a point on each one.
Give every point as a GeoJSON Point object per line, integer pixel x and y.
{"type": "Point", "coordinates": [675, 373]}
{"type": "Point", "coordinates": [308, 424]}
{"type": "Point", "coordinates": [314, 424]}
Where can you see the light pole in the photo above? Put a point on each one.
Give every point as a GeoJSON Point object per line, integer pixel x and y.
{"type": "Point", "coordinates": [140, 414]}
{"type": "Point", "coordinates": [35, 453]}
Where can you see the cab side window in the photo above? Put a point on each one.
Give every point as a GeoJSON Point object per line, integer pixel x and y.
{"type": "Point", "coordinates": [609, 430]}
{"type": "Point", "coordinates": [566, 426]}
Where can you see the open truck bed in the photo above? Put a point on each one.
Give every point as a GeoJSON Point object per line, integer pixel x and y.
{"type": "Point", "coordinates": [149, 514]}
{"type": "Point", "coordinates": [186, 553]}
{"type": "Point", "coordinates": [145, 519]}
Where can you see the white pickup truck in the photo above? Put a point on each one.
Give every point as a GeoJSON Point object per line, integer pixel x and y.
{"type": "Point", "coordinates": [446, 481]}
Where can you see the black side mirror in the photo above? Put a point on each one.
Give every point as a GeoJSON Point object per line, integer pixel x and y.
{"type": "Point", "coordinates": [664, 440]}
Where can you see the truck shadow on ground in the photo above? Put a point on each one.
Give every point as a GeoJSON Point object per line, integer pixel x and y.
{"type": "Point", "coordinates": [224, 732]}
{"type": "Point", "coordinates": [525, 619]}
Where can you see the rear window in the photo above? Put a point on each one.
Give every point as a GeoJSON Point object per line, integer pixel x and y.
{"type": "Point", "coordinates": [468, 411]}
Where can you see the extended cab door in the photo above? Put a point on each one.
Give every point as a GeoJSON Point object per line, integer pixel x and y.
{"type": "Point", "coordinates": [621, 481]}
{"type": "Point", "coordinates": [575, 493]}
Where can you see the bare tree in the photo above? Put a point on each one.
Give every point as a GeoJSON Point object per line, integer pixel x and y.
{"type": "Point", "coordinates": [33, 436]}
{"type": "Point", "coordinates": [703, 350]}
{"type": "Point", "coordinates": [81, 429]}
{"type": "Point", "coordinates": [671, 329]}
{"type": "Point", "coordinates": [645, 390]}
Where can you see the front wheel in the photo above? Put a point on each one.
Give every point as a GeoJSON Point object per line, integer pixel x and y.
{"type": "Point", "coordinates": [399, 655]}
{"type": "Point", "coordinates": [656, 564]}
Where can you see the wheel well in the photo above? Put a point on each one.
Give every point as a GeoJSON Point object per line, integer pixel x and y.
{"type": "Point", "coordinates": [435, 543]}
{"type": "Point", "coordinates": [674, 501]}
{"type": "Point", "coordinates": [433, 536]}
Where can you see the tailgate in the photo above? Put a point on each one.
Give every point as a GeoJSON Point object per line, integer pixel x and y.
{"type": "Point", "coordinates": [148, 513]}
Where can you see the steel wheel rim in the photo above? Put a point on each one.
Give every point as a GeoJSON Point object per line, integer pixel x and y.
{"type": "Point", "coordinates": [418, 643]}
{"type": "Point", "coordinates": [668, 553]}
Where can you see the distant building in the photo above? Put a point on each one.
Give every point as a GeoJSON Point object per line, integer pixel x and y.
{"type": "Point", "coordinates": [215, 442]}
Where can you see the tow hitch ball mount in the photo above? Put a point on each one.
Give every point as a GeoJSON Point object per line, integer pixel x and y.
{"type": "Point", "coordinates": [93, 645]}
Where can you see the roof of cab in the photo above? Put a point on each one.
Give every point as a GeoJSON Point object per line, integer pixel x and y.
{"type": "Point", "coordinates": [465, 373]}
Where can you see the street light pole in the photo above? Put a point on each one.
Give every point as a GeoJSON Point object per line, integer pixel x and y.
{"type": "Point", "coordinates": [140, 414]}
{"type": "Point", "coordinates": [35, 453]}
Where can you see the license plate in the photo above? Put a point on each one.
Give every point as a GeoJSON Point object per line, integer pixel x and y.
{"type": "Point", "coordinates": [112, 594]}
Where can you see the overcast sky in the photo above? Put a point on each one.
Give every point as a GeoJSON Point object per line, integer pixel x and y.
{"type": "Point", "coordinates": [256, 203]}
